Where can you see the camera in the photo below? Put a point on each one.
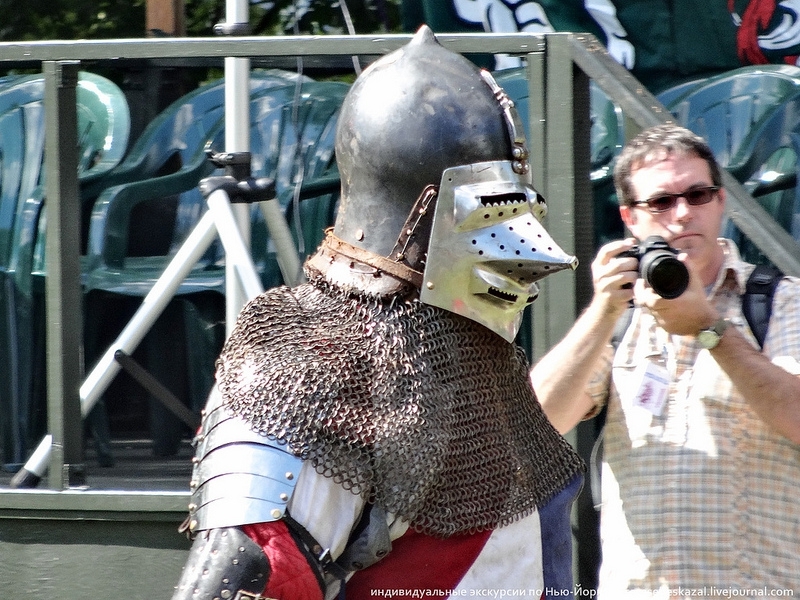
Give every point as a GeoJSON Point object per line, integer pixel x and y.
{"type": "Point", "coordinates": [659, 267]}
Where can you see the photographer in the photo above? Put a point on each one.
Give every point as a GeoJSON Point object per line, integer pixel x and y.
{"type": "Point", "coordinates": [702, 437]}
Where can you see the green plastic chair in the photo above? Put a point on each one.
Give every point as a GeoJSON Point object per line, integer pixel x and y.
{"type": "Point", "coordinates": [728, 108]}
{"type": "Point", "coordinates": [21, 151]}
{"type": "Point", "coordinates": [305, 166]}
{"type": "Point", "coordinates": [149, 208]}
{"type": "Point", "coordinates": [275, 149]}
{"type": "Point", "coordinates": [750, 118]}
{"type": "Point", "coordinates": [103, 125]}
{"type": "Point", "coordinates": [675, 93]}
{"type": "Point", "coordinates": [772, 178]}
{"type": "Point", "coordinates": [290, 135]}
{"type": "Point", "coordinates": [152, 201]}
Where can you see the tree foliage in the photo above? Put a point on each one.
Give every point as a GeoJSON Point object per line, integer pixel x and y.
{"type": "Point", "coordinates": [71, 19]}
{"type": "Point", "coordinates": [108, 19]}
{"type": "Point", "coordinates": [321, 17]}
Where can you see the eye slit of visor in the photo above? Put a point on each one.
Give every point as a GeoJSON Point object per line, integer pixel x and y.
{"type": "Point", "coordinates": [501, 199]}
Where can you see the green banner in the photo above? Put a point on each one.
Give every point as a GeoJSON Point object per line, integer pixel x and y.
{"type": "Point", "coordinates": [662, 42]}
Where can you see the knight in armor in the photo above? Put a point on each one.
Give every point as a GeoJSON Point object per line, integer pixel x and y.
{"type": "Point", "coordinates": [373, 432]}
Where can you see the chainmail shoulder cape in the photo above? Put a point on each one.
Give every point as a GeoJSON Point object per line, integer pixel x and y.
{"type": "Point", "coordinates": [421, 411]}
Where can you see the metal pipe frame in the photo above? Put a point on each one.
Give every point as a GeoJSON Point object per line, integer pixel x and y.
{"type": "Point", "coordinates": [559, 66]}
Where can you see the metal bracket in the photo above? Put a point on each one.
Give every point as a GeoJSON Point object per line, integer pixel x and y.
{"type": "Point", "coordinates": [237, 182]}
{"type": "Point", "coordinates": [224, 28]}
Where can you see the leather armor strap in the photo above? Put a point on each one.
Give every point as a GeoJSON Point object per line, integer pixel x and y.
{"type": "Point", "coordinates": [411, 248]}
{"type": "Point", "coordinates": [321, 556]}
{"type": "Point", "coordinates": [335, 245]}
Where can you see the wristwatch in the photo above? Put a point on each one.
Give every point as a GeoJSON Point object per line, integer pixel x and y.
{"type": "Point", "coordinates": [709, 338]}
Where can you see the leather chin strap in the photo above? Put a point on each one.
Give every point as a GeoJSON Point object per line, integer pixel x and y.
{"type": "Point", "coordinates": [381, 263]}
{"type": "Point", "coordinates": [399, 274]}
{"type": "Point", "coordinates": [357, 270]}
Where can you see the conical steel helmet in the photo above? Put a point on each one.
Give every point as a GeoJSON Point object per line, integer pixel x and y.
{"type": "Point", "coordinates": [410, 115]}
{"type": "Point", "coordinates": [437, 192]}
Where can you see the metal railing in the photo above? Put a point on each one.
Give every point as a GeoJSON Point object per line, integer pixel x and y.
{"type": "Point", "coordinates": [559, 67]}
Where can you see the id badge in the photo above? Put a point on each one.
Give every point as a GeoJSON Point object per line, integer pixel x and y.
{"type": "Point", "coordinates": [653, 387]}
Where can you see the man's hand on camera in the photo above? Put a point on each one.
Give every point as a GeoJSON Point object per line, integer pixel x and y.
{"type": "Point", "coordinates": [685, 315]}
{"type": "Point", "coordinates": [613, 276]}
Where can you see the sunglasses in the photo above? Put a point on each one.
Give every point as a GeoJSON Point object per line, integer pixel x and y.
{"type": "Point", "coordinates": [664, 202]}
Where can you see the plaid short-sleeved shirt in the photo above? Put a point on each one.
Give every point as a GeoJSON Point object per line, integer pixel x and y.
{"type": "Point", "coordinates": [701, 495]}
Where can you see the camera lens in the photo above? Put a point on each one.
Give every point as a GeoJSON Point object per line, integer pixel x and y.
{"type": "Point", "coordinates": [668, 276]}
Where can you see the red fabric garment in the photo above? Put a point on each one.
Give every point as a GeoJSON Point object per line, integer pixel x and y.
{"type": "Point", "coordinates": [419, 562]}
{"type": "Point", "coordinates": [291, 577]}
{"type": "Point", "coordinates": [755, 20]}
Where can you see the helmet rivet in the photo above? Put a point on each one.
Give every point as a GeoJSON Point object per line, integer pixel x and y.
{"type": "Point", "coordinates": [429, 285]}
{"type": "Point", "coordinates": [359, 234]}
{"type": "Point", "coordinates": [520, 167]}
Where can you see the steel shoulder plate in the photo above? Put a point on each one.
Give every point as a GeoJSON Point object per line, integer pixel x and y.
{"type": "Point", "coordinates": [240, 476]}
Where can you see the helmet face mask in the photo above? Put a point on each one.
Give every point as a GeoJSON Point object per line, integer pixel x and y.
{"type": "Point", "coordinates": [488, 247]}
{"type": "Point", "coordinates": [436, 190]}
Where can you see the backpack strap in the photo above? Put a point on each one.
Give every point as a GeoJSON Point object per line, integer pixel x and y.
{"type": "Point", "coordinates": [757, 299]}
{"type": "Point", "coordinates": [621, 327]}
